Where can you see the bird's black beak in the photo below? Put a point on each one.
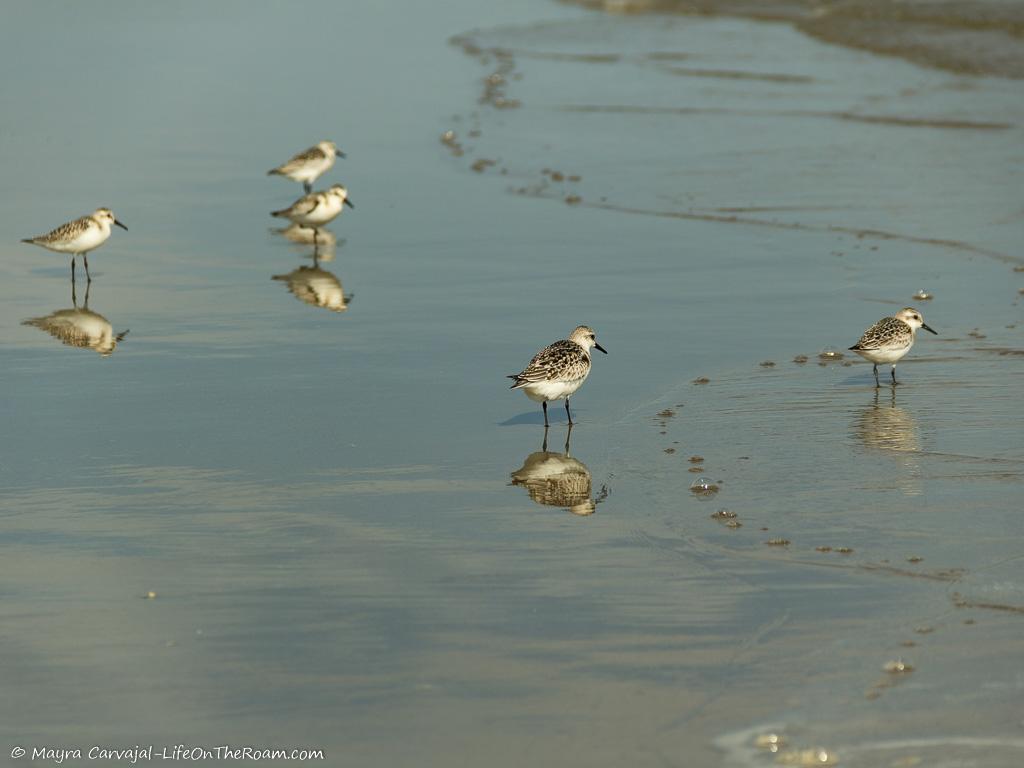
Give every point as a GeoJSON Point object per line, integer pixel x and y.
{"type": "Point", "coordinates": [929, 329]}
{"type": "Point", "coordinates": [349, 203]}
{"type": "Point", "coordinates": [122, 226]}
{"type": "Point", "coordinates": [598, 346]}
{"type": "Point", "coordinates": [339, 153]}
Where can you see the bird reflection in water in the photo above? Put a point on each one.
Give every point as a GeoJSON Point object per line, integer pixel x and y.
{"type": "Point", "coordinates": [321, 238]}
{"type": "Point", "coordinates": [558, 480]}
{"type": "Point", "coordinates": [887, 427]}
{"type": "Point", "coordinates": [80, 326]}
{"type": "Point", "coordinates": [884, 426]}
{"type": "Point", "coordinates": [316, 286]}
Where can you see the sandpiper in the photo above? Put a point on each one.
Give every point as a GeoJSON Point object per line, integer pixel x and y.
{"type": "Point", "coordinates": [558, 370]}
{"type": "Point", "coordinates": [890, 339]}
{"type": "Point", "coordinates": [316, 208]}
{"type": "Point", "coordinates": [78, 237]}
{"type": "Point", "coordinates": [309, 165]}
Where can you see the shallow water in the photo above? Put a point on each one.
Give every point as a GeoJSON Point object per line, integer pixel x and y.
{"type": "Point", "coordinates": [356, 536]}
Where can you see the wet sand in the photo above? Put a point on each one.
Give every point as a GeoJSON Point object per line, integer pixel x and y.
{"type": "Point", "coordinates": [357, 539]}
{"type": "Point", "coordinates": [975, 38]}
{"type": "Point", "coordinates": [849, 520]}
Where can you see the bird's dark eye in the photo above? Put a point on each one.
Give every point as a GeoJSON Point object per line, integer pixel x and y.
{"type": "Point", "coordinates": [593, 337]}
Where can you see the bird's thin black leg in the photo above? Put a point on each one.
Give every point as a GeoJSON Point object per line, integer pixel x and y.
{"type": "Point", "coordinates": [307, 186]}
{"type": "Point", "coordinates": [88, 277]}
{"type": "Point", "coordinates": [894, 382]}
{"type": "Point", "coordinates": [875, 369]}
{"type": "Point", "coordinates": [567, 411]}
{"type": "Point", "coordinates": [72, 270]}
{"type": "Point", "coordinates": [568, 434]}
{"type": "Point", "coordinates": [544, 445]}
{"type": "Point", "coordinates": [544, 405]}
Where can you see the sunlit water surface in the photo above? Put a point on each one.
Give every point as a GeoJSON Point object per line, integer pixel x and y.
{"type": "Point", "coordinates": [357, 539]}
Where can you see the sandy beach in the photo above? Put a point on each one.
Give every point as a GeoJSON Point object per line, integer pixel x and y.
{"type": "Point", "coordinates": [259, 519]}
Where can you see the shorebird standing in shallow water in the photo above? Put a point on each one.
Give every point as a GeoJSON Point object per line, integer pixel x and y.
{"type": "Point", "coordinates": [316, 208]}
{"type": "Point", "coordinates": [558, 370]}
{"type": "Point", "coordinates": [890, 339]}
{"type": "Point", "coordinates": [308, 166]}
{"type": "Point", "coordinates": [78, 237]}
